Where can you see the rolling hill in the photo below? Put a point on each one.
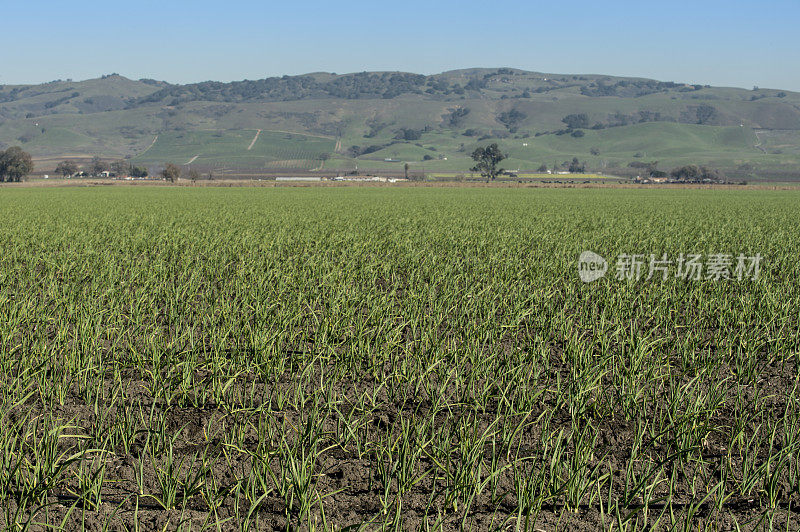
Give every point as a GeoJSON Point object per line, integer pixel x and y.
{"type": "Point", "coordinates": [381, 120]}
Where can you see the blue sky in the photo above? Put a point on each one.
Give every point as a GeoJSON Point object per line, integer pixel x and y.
{"type": "Point", "coordinates": [733, 43]}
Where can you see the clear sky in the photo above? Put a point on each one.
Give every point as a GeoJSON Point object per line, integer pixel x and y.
{"type": "Point", "coordinates": [732, 42]}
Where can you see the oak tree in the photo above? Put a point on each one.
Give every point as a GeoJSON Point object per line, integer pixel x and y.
{"type": "Point", "coordinates": [15, 164]}
{"type": "Point", "coordinates": [487, 160]}
{"type": "Point", "coordinates": [67, 168]}
{"type": "Point", "coordinates": [171, 172]}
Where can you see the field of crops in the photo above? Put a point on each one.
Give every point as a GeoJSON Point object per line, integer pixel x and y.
{"type": "Point", "coordinates": [240, 359]}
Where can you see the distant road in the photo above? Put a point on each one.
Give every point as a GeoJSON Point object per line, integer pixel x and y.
{"type": "Point", "coordinates": [150, 146]}
{"type": "Point", "coordinates": [193, 159]}
{"type": "Point", "coordinates": [250, 147]}
{"type": "Point", "coordinates": [759, 145]}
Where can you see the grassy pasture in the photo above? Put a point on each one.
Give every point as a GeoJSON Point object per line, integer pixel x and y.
{"type": "Point", "coordinates": [271, 149]}
{"type": "Point", "coordinates": [670, 144]}
{"type": "Point", "coordinates": [263, 359]}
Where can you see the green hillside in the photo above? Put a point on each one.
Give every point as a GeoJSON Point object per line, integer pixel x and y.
{"type": "Point", "coordinates": [384, 120]}
{"type": "Point", "coordinates": [253, 148]}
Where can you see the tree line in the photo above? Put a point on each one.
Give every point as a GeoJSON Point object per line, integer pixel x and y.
{"type": "Point", "coordinates": [171, 172]}
{"type": "Point", "coordinates": [488, 161]}
{"type": "Point", "coordinates": [97, 167]}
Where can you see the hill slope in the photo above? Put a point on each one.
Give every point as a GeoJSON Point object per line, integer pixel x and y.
{"type": "Point", "coordinates": [380, 120]}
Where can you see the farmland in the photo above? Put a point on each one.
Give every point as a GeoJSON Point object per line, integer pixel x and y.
{"type": "Point", "coordinates": [243, 359]}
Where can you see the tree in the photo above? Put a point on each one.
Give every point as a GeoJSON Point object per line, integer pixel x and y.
{"type": "Point", "coordinates": [193, 175]}
{"type": "Point", "coordinates": [67, 168]}
{"type": "Point", "coordinates": [405, 169]}
{"type": "Point", "coordinates": [97, 166]}
{"type": "Point", "coordinates": [689, 172]}
{"type": "Point", "coordinates": [576, 167]}
{"type": "Point", "coordinates": [409, 134]}
{"type": "Point", "coordinates": [542, 169]}
{"type": "Point", "coordinates": [139, 171]}
{"type": "Point", "coordinates": [648, 167]}
{"type": "Point", "coordinates": [487, 160]}
{"type": "Point", "coordinates": [705, 113]}
{"type": "Point", "coordinates": [15, 164]}
{"type": "Point", "coordinates": [692, 172]}
{"type": "Point", "coordinates": [512, 118]}
{"type": "Point", "coordinates": [120, 167]}
{"type": "Point", "coordinates": [576, 121]}
{"type": "Point", "coordinates": [171, 172]}
{"type": "Point", "coordinates": [457, 116]}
